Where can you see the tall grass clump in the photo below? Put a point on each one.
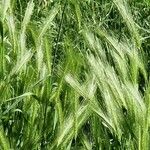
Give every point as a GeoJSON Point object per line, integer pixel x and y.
{"type": "Point", "coordinates": [74, 75]}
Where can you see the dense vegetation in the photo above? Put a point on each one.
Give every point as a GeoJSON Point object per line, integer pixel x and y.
{"type": "Point", "coordinates": [74, 74]}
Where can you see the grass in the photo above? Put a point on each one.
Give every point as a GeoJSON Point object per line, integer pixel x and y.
{"type": "Point", "coordinates": [74, 75]}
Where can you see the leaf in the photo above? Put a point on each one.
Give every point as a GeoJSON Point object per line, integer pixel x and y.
{"type": "Point", "coordinates": [4, 144]}
{"type": "Point", "coordinates": [18, 99]}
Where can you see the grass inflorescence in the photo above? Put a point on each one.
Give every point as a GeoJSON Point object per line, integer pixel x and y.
{"type": "Point", "coordinates": [74, 75]}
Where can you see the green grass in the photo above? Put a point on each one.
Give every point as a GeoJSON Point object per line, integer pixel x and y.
{"type": "Point", "coordinates": [74, 75]}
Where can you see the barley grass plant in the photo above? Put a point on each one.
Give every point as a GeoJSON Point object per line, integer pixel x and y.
{"type": "Point", "coordinates": [74, 75]}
